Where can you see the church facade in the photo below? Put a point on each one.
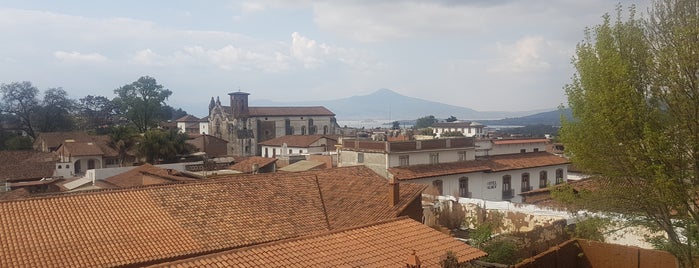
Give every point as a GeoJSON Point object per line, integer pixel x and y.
{"type": "Point", "coordinates": [244, 127]}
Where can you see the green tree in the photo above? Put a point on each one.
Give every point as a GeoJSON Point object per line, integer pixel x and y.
{"type": "Point", "coordinates": [636, 108]}
{"type": "Point", "coordinates": [424, 122]}
{"type": "Point", "coordinates": [395, 125]}
{"type": "Point", "coordinates": [452, 134]}
{"type": "Point", "coordinates": [123, 140]}
{"type": "Point", "coordinates": [451, 119]}
{"type": "Point", "coordinates": [54, 113]}
{"type": "Point", "coordinates": [20, 99]}
{"type": "Point", "coordinates": [167, 112]}
{"type": "Point", "coordinates": [141, 102]}
{"type": "Point", "coordinates": [163, 146]}
{"type": "Point", "coordinates": [96, 112]}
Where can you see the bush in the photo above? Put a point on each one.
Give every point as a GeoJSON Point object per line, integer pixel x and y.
{"type": "Point", "coordinates": [500, 251]}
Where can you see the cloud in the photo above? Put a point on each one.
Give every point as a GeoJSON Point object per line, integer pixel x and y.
{"type": "Point", "coordinates": [525, 55]}
{"type": "Point", "coordinates": [75, 56]}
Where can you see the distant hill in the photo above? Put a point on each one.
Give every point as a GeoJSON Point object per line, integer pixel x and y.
{"type": "Point", "coordinates": [552, 118]}
{"type": "Point", "coordinates": [387, 104]}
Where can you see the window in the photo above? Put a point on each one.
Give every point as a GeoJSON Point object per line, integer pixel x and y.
{"type": "Point", "coordinates": [325, 129]}
{"type": "Point", "coordinates": [507, 191]}
{"type": "Point", "coordinates": [303, 130]}
{"type": "Point", "coordinates": [543, 180]}
{"type": "Point", "coordinates": [290, 151]}
{"type": "Point", "coordinates": [434, 158]}
{"type": "Point", "coordinates": [462, 156]}
{"type": "Point", "coordinates": [360, 157]}
{"type": "Point", "coordinates": [60, 167]}
{"type": "Point", "coordinates": [525, 182]}
{"type": "Point", "coordinates": [463, 187]}
{"type": "Point", "coordinates": [437, 184]}
{"type": "Point", "coordinates": [536, 150]}
{"type": "Point", "coordinates": [523, 150]}
{"type": "Point", "coordinates": [559, 176]}
{"type": "Point", "coordinates": [404, 160]}
{"type": "Point", "coordinates": [287, 127]}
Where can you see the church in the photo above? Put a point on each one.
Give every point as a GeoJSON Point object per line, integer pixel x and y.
{"type": "Point", "coordinates": [244, 127]}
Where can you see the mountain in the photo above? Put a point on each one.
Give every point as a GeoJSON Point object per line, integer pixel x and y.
{"type": "Point", "coordinates": [387, 104]}
{"type": "Point", "coordinates": [552, 118]}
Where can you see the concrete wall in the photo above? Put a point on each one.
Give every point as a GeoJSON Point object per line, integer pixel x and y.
{"type": "Point", "coordinates": [374, 161]}
{"type": "Point", "coordinates": [498, 149]}
{"type": "Point", "coordinates": [423, 157]}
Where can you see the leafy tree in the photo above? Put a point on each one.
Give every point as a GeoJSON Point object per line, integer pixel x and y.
{"type": "Point", "coordinates": [141, 101]}
{"type": "Point", "coordinates": [424, 122]}
{"type": "Point", "coordinates": [500, 251]}
{"type": "Point", "coordinates": [54, 113]}
{"type": "Point", "coordinates": [17, 142]}
{"type": "Point", "coordinates": [167, 112]}
{"type": "Point", "coordinates": [20, 99]}
{"type": "Point", "coordinates": [123, 140]}
{"type": "Point", "coordinates": [163, 146]}
{"type": "Point", "coordinates": [635, 101]}
{"type": "Point", "coordinates": [451, 119]}
{"type": "Point", "coordinates": [395, 125]}
{"type": "Point", "coordinates": [96, 112]}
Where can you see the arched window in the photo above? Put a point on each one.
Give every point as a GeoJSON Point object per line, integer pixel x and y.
{"type": "Point", "coordinates": [303, 130]}
{"type": "Point", "coordinates": [325, 129]}
{"type": "Point", "coordinates": [463, 187]}
{"type": "Point", "coordinates": [525, 182]}
{"type": "Point", "coordinates": [559, 176]}
{"type": "Point", "coordinates": [543, 179]}
{"type": "Point", "coordinates": [438, 185]}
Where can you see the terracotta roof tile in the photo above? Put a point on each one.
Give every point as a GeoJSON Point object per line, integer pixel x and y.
{"type": "Point", "coordinates": [491, 164]}
{"type": "Point", "coordinates": [161, 223]}
{"type": "Point", "coordinates": [81, 148]}
{"type": "Point", "coordinates": [188, 118]}
{"type": "Point", "coordinates": [294, 140]}
{"type": "Point", "coordinates": [245, 164]}
{"type": "Point", "coordinates": [145, 174]}
{"type": "Point", "coordinates": [519, 141]}
{"type": "Point", "coordinates": [381, 244]}
{"type": "Point", "coordinates": [54, 139]}
{"type": "Point", "coordinates": [26, 165]}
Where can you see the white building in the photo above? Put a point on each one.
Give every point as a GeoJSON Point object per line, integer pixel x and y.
{"type": "Point", "coordinates": [192, 125]}
{"type": "Point", "coordinates": [468, 129]}
{"type": "Point", "coordinates": [492, 170]}
{"type": "Point", "coordinates": [297, 144]}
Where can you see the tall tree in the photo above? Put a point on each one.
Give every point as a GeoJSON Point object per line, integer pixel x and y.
{"type": "Point", "coordinates": [424, 122]}
{"type": "Point", "coordinates": [141, 101]}
{"type": "Point", "coordinates": [635, 100]}
{"type": "Point", "coordinates": [54, 113]}
{"type": "Point", "coordinates": [20, 99]}
{"type": "Point", "coordinates": [96, 112]}
{"type": "Point", "coordinates": [123, 140]}
{"type": "Point", "coordinates": [167, 112]}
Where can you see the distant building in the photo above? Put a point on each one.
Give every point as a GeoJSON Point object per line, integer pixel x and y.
{"type": "Point", "coordinates": [244, 127]}
{"type": "Point", "coordinates": [192, 125]}
{"type": "Point", "coordinates": [468, 129]}
{"type": "Point", "coordinates": [297, 144]}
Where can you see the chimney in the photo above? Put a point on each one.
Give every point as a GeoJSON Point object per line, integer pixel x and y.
{"type": "Point", "coordinates": [413, 261]}
{"type": "Point", "coordinates": [255, 168]}
{"type": "Point", "coordinates": [393, 192]}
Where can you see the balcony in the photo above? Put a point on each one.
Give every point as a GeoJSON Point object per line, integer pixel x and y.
{"type": "Point", "coordinates": [527, 188]}
{"type": "Point", "coordinates": [508, 194]}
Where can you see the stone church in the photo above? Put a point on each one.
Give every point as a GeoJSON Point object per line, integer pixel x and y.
{"type": "Point", "coordinates": [244, 127]}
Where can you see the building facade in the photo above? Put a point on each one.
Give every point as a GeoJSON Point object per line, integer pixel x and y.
{"type": "Point", "coordinates": [467, 129]}
{"type": "Point", "coordinates": [244, 127]}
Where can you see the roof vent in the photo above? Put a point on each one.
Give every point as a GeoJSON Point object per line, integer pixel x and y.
{"type": "Point", "coordinates": [413, 261]}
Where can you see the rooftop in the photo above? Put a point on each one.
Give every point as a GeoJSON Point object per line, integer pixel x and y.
{"type": "Point", "coordinates": [287, 111]}
{"type": "Point", "coordinates": [407, 146]}
{"type": "Point", "coordinates": [519, 141]}
{"type": "Point", "coordinates": [145, 174]}
{"type": "Point", "coordinates": [153, 224]}
{"type": "Point", "coordinates": [381, 244]}
{"type": "Point", "coordinates": [245, 164]}
{"type": "Point", "coordinates": [26, 165]}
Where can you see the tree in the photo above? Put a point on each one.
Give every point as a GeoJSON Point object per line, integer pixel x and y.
{"type": "Point", "coordinates": [395, 125]}
{"type": "Point", "coordinates": [167, 112]}
{"type": "Point", "coordinates": [123, 140]}
{"type": "Point", "coordinates": [141, 102]}
{"type": "Point", "coordinates": [636, 108]}
{"type": "Point", "coordinates": [451, 119]}
{"type": "Point", "coordinates": [54, 113]}
{"type": "Point", "coordinates": [19, 99]}
{"type": "Point", "coordinates": [96, 112]}
{"type": "Point", "coordinates": [424, 122]}
{"type": "Point", "coordinates": [163, 146]}
{"type": "Point", "coordinates": [452, 134]}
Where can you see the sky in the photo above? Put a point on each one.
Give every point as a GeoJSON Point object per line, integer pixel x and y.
{"type": "Point", "coordinates": [487, 55]}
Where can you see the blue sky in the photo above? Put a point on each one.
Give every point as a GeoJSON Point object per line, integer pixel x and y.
{"type": "Point", "coordinates": [486, 55]}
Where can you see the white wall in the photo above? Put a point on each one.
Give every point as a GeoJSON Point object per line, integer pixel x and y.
{"type": "Point", "coordinates": [498, 149]}
{"type": "Point", "coordinates": [423, 157]}
{"type": "Point", "coordinates": [203, 128]}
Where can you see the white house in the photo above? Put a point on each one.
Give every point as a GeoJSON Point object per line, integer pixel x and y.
{"type": "Point", "coordinates": [297, 144]}
{"type": "Point", "coordinates": [192, 125]}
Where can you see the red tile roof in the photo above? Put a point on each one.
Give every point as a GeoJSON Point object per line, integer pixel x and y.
{"type": "Point", "coordinates": [26, 165]}
{"type": "Point", "coordinates": [302, 141]}
{"type": "Point", "coordinates": [491, 164]}
{"type": "Point", "coordinates": [381, 244]}
{"type": "Point", "coordinates": [54, 139]}
{"type": "Point", "coordinates": [148, 225]}
{"type": "Point", "coordinates": [188, 118]}
{"type": "Point", "coordinates": [140, 176]}
{"type": "Point", "coordinates": [81, 148]}
{"type": "Point", "coordinates": [519, 141]}
{"type": "Point", "coordinates": [290, 111]}
{"type": "Point", "coordinates": [245, 164]}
